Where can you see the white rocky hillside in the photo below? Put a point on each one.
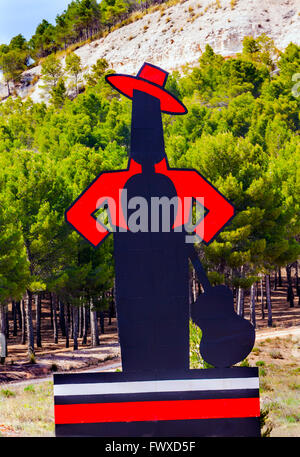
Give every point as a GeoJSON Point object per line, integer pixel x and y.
{"type": "Point", "coordinates": [178, 35]}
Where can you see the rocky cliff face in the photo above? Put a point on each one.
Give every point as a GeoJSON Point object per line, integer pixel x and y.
{"type": "Point", "coordinates": [178, 35]}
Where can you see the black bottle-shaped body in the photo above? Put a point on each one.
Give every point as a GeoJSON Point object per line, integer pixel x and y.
{"type": "Point", "coordinates": [151, 267]}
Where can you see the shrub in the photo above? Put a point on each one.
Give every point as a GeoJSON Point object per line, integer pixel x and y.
{"type": "Point", "coordinates": [7, 393]}
{"type": "Point", "coordinates": [276, 354]}
{"type": "Point", "coordinates": [29, 388]}
{"type": "Point", "coordinates": [294, 386]}
{"type": "Point", "coordinates": [260, 363]}
{"type": "Point", "coordinates": [244, 363]}
{"type": "Point", "coordinates": [262, 372]}
{"type": "Point", "coordinates": [34, 80]}
{"type": "Point", "coordinates": [266, 425]}
{"type": "Point", "coordinates": [264, 386]}
{"type": "Point", "coordinates": [32, 358]}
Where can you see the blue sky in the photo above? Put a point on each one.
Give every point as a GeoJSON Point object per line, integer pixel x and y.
{"type": "Point", "coordinates": [23, 16]}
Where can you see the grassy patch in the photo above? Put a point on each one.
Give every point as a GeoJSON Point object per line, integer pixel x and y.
{"type": "Point", "coordinates": [279, 374]}
{"type": "Point", "coordinates": [28, 410]}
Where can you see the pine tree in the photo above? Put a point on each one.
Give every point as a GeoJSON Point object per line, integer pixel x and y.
{"type": "Point", "coordinates": [74, 68]}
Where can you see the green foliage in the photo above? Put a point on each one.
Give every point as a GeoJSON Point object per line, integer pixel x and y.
{"type": "Point", "coordinates": [29, 388]}
{"type": "Point", "coordinates": [196, 361]}
{"type": "Point", "coordinates": [14, 268]}
{"type": "Point", "coordinates": [12, 65]}
{"type": "Point", "coordinates": [31, 358]}
{"type": "Point", "coordinates": [261, 50]}
{"type": "Point", "coordinates": [58, 94]}
{"type": "Point", "coordinates": [244, 363]}
{"type": "Point", "coordinates": [51, 71]}
{"type": "Point", "coordinates": [42, 42]}
{"type": "Point", "coordinates": [98, 70]}
{"type": "Point", "coordinates": [74, 68]}
{"type": "Point", "coordinates": [7, 393]}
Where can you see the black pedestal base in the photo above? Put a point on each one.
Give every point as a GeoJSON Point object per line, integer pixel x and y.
{"type": "Point", "coordinates": [194, 403]}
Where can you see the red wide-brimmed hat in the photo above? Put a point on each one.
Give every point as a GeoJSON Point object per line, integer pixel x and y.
{"type": "Point", "coordinates": [150, 79]}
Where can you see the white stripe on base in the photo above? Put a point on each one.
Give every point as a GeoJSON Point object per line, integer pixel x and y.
{"type": "Point", "coordinates": [181, 385]}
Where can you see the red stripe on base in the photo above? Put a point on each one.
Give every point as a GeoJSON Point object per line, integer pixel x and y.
{"type": "Point", "coordinates": [157, 410]}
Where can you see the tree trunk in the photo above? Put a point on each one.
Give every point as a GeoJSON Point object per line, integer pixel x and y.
{"type": "Point", "coordinates": [102, 322]}
{"type": "Point", "coordinates": [279, 277]}
{"type": "Point", "coordinates": [80, 322]}
{"type": "Point", "coordinates": [199, 288]}
{"type": "Point", "coordinates": [3, 340]}
{"type": "Point", "coordinates": [75, 328]}
{"type": "Point", "coordinates": [29, 324]}
{"type": "Point", "coordinates": [290, 292]}
{"type": "Point", "coordinates": [194, 285]}
{"type": "Point", "coordinates": [66, 326]}
{"type": "Point", "coordinates": [6, 322]}
{"type": "Point", "coordinates": [275, 280]}
{"type": "Point", "coordinates": [54, 309]}
{"type": "Point", "coordinates": [51, 311]}
{"type": "Point", "coordinates": [191, 291]}
{"type": "Point", "coordinates": [72, 323]}
{"type": "Point", "coordinates": [252, 305]}
{"type": "Point", "coordinates": [94, 327]}
{"type": "Point", "coordinates": [76, 84]}
{"type": "Point", "coordinates": [262, 298]}
{"type": "Point", "coordinates": [19, 314]}
{"type": "Point", "coordinates": [111, 306]}
{"type": "Point", "coordinates": [297, 282]}
{"type": "Point", "coordinates": [38, 321]}
{"type": "Point", "coordinates": [240, 302]}
{"type": "Point", "coordinates": [268, 300]}
{"type": "Point", "coordinates": [62, 322]}
{"type": "Point", "coordinates": [69, 315]}
{"type": "Point", "coordinates": [84, 324]}
{"type": "Point", "coordinates": [23, 314]}
{"type": "Point", "coordinates": [15, 318]}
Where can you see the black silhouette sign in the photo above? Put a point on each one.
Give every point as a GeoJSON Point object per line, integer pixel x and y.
{"type": "Point", "coordinates": [150, 206]}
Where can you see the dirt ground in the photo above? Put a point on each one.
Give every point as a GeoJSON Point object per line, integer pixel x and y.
{"type": "Point", "coordinates": [55, 357]}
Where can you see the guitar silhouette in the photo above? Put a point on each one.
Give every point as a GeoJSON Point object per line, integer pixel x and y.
{"type": "Point", "coordinates": [227, 338]}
